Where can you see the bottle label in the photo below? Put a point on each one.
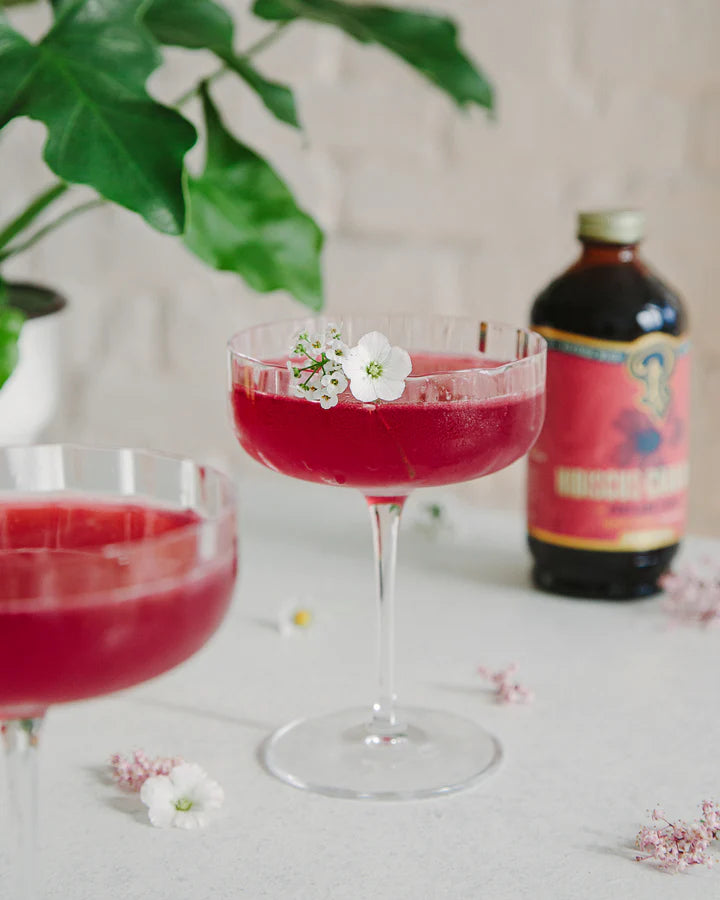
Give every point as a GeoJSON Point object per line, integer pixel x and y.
{"type": "Point", "coordinates": [610, 468]}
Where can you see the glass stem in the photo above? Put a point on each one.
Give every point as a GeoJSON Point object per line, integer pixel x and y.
{"type": "Point", "coordinates": [385, 517]}
{"type": "Point", "coordinates": [20, 739]}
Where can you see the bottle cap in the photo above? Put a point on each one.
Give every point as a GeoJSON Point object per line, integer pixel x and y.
{"type": "Point", "coordinates": [612, 226]}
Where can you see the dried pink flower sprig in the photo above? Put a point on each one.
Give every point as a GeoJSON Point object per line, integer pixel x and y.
{"type": "Point", "coordinates": [506, 689]}
{"type": "Point", "coordinates": [132, 772]}
{"type": "Point", "coordinates": [676, 845]}
{"type": "Point", "coordinates": [692, 592]}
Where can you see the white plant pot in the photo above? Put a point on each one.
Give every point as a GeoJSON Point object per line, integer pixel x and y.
{"type": "Point", "coordinates": [30, 396]}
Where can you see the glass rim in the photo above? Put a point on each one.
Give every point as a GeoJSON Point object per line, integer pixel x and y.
{"type": "Point", "coordinates": [538, 352]}
{"type": "Point", "coordinates": [225, 513]}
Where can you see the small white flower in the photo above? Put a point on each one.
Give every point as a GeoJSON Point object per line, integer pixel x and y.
{"type": "Point", "coordinates": [334, 382]}
{"type": "Point", "coordinates": [294, 370]}
{"type": "Point", "coordinates": [309, 388]}
{"type": "Point", "coordinates": [376, 370]}
{"type": "Point", "coordinates": [316, 344]}
{"type": "Point", "coordinates": [301, 344]}
{"type": "Point", "coordinates": [332, 333]}
{"type": "Point", "coordinates": [181, 799]}
{"type": "Point", "coordinates": [337, 350]}
{"type": "Point", "coordinates": [294, 617]}
{"type": "Point", "coordinates": [327, 400]}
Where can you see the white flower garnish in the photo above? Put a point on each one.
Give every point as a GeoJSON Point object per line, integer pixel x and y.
{"type": "Point", "coordinates": [337, 350]}
{"type": "Point", "coordinates": [317, 344]}
{"type": "Point", "coordinates": [315, 372]}
{"type": "Point", "coordinates": [301, 344]}
{"type": "Point", "coordinates": [327, 400]}
{"type": "Point", "coordinates": [181, 799]}
{"type": "Point", "coordinates": [322, 364]}
{"type": "Point", "coordinates": [376, 370]}
{"type": "Point", "coordinates": [310, 388]}
{"type": "Point", "coordinates": [334, 382]}
{"type": "Point", "coordinates": [333, 332]}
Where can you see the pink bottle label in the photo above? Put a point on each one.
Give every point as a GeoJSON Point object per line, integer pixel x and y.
{"type": "Point", "coordinates": [610, 469]}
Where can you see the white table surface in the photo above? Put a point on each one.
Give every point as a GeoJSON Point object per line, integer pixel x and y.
{"type": "Point", "coordinates": [625, 718]}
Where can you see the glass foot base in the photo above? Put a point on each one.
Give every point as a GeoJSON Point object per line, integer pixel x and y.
{"type": "Point", "coordinates": [436, 753]}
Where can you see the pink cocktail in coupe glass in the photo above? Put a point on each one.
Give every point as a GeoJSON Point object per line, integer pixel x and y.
{"type": "Point", "coordinates": [115, 566]}
{"type": "Point", "coordinates": [473, 404]}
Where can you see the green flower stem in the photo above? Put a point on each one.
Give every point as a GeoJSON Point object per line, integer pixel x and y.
{"type": "Point", "coordinates": [264, 42]}
{"type": "Point", "coordinates": [31, 212]}
{"type": "Point", "coordinates": [51, 226]}
{"type": "Point", "coordinates": [251, 51]}
{"type": "Point", "coordinates": [195, 89]}
{"type": "Point", "coordinates": [314, 367]}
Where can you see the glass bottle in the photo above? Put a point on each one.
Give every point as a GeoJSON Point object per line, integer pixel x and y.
{"type": "Point", "coordinates": [607, 479]}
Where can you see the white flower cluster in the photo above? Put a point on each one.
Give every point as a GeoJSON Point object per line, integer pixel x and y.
{"type": "Point", "coordinates": [319, 376]}
{"type": "Point", "coordinates": [373, 368]}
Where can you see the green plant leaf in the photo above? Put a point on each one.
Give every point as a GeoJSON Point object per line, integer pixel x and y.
{"type": "Point", "coordinates": [203, 24]}
{"type": "Point", "coordinates": [61, 6]}
{"type": "Point", "coordinates": [11, 322]}
{"type": "Point", "coordinates": [425, 41]}
{"type": "Point", "coordinates": [85, 80]}
{"type": "Point", "coordinates": [278, 98]}
{"type": "Point", "coordinates": [17, 65]}
{"type": "Point", "coordinates": [194, 24]}
{"type": "Point", "coordinates": [275, 10]}
{"type": "Point", "coordinates": [244, 219]}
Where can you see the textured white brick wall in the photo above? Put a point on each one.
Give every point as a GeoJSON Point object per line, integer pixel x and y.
{"type": "Point", "coordinates": [600, 103]}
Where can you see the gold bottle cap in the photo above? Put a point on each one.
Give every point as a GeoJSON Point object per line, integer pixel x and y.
{"type": "Point", "coordinates": [612, 226]}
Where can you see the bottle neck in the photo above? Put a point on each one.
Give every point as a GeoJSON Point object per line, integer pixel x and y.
{"type": "Point", "coordinates": [599, 253]}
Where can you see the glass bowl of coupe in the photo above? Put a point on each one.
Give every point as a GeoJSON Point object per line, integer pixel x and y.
{"type": "Point", "coordinates": [115, 566]}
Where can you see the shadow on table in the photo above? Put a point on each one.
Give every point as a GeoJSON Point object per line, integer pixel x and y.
{"type": "Point", "coordinates": [623, 849]}
{"type": "Point", "coordinates": [489, 566]}
{"type": "Point", "coordinates": [473, 690]}
{"type": "Point", "coordinates": [126, 803]}
{"type": "Point", "coordinates": [129, 803]}
{"type": "Point", "coordinates": [203, 713]}
{"type": "Point", "coordinates": [266, 622]}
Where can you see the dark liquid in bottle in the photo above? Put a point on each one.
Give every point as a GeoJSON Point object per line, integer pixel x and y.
{"type": "Point", "coordinates": [608, 294]}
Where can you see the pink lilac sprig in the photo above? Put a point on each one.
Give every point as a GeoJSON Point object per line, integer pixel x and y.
{"type": "Point", "coordinates": [674, 846]}
{"type": "Point", "coordinates": [692, 592]}
{"type": "Point", "coordinates": [132, 772]}
{"type": "Point", "coordinates": [506, 689]}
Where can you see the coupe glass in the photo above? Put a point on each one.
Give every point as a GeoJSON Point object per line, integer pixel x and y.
{"type": "Point", "coordinates": [473, 404]}
{"type": "Point", "coordinates": [115, 565]}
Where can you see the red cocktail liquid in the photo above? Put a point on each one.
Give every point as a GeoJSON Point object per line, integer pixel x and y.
{"type": "Point", "coordinates": [443, 436]}
{"type": "Point", "coordinates": [92, 600]}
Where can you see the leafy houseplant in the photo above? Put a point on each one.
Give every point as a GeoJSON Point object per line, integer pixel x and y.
{"type": "Point", "coordinates": [85, 81]}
